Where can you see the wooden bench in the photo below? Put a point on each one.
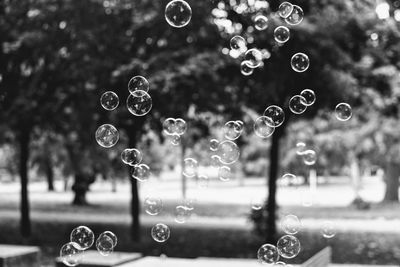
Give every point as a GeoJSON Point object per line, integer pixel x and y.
{"type": "Point", "coordinates": [92, 258]}
{"type": "Point", "coordinates": [19, 256]}
{"type": "Point", "coordinates": [321, 259]}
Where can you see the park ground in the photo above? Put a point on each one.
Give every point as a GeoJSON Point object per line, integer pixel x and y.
{"type": "Point", "coordinates": [220, 225]}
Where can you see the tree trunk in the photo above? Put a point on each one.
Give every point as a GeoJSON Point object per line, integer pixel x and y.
{"type": "Point", "coordinates": [49, 174]}
{"type": "Point", "coordinates": [25, 224]}
{"type": "Point", "coordinates": [392, 174]}
{"type": "Point", "coordinates": [80, 188]}
{"type": "Point", "coordinates": [183, 177]}
{"type": "Point", "coordinates": [272, 176]}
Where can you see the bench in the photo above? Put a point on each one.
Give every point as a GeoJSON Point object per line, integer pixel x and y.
{"type": "Point", "coordinates": [19, 256]}
{"type": "Point", "coordinates": [92, 258]}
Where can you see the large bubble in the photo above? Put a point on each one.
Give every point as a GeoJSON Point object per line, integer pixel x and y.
{"type": "Point", "coordinates": [70, 254]}
{"type": "Point", "coordinates": [83, 237]}
{"type": "Point", "coordinates": [109, 100]}
{"type": "Point", "coordinates": [291, 224]}
{"type": "Point", "coordinates": [153, 205]}
{"type": "Point", "coordinates": [178, 13]}
{"type": "Point", "coordinates": [253, 58]}
{"type": "Point", "coordinates": [309, 97]}
{"type": "Point", "coordinates": [131, 156]}
{"type": "Point", "coordinates": [261, 22]}
{"type": "Point", "coordinates": [285, 9]}
{"type": "Point", "coordinates": [141, 172]}
{"type": "Point", "coordinates": [296, 16]}
{"type": "Point", "coordinates": [262, 127]}
{"type": "Point", "coordinates": [228, 152]}
{"type": "Point", "coordinates": [238, 43]}
{"type": "Point", "coordinates": [281, 34]}
{"type": "Point", "coordinates": [107, 135]}
{"type": "Point", "coordinates": [160, 232]}
{"type": "Point", "coordinates": [297, 104]}
{"type": "Point", "coordinates": [300, 62]}
{"type": "Point", "coordinates": [137, 83]}
{"type": "Point", "coordinates": [139, 103]}
{"type": "Point", "coordinates": [343, 112]}
{"type": "Point", "coordinates": [288, 246]}
{"type": "Point", "coordinates": [268, 254]}
{"type": "Point", "coordinates": [245, 68]}
{"type": "Point", "coordinates": [233, 130]}
{"type": "Point", "coordinates": [189, 168]}
{"type": "Point", "coordinates": [276, 114]}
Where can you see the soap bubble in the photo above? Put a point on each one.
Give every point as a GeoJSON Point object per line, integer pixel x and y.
{"type": "Point", "coordinates": [260, 22]}
{"type": "Point", "coordinates": [291, 224]}
{"type": "Point", "coordinates": [238, 43]}
{"type": "Point", "coordinates": [300, 62]}
{"type": "Point", "coordinates": [112, 236]}
{"type": "Point", "coordinates": [153, 206]}
{"type": "Point", "coordinates": [285, 9]}
{"type": "Point", "coordinates": [296, 16]}
{"type": "Point", "coordinates": [83, 237]}
{"type": "Point", "coordinates": [253, 58]}
{"type": "Point", "coordinates": [178, 13]}
{"type": "Point", "coordinates": [309, 97]}
{"type": "Point", "coordinates": [109, 100]}
{"type": "Point", "coordinates": [228, 152]}
{"type": "Point", "coordinates": [280, 263]}
{"type": "Point", "coordinates": [175, 139]}
{"type": "Point", "coordinates": [224, 173]}
{"type": "Point", "coordinates": [139, 103]}
{"type": "Point", "coordinates": [214, 144]}
{"type": "Point", "coordinates": [131, 156]}
{"type": "Point", "coordinates": [300, 148]}
{"type": "Point", "coordinates": [309, 157]}
{"type": "Point", "coordinates": [245, 68]}
{"type": "Point", "coordinates": [203, 180]}
{"type": "Point", "coordinates": [137, 83]}
{"type": "Point", "coordinates": [262, 127]}
{"type": "Point", "coordinates": [182, 214]}
{"type": "Point", "coordinates": [343, 112]}
{"type": "Point", "coordinates": [190, 166]}
{"type": "Point", "coordinates": [141, 172]}
{"type": "Point", "coordinates": [256, 204]}
{"type": "Point", "coordinates": [281, 34]}
{"type": "Point", "coordinates": [289, 179]}
{"type": "Point", "coordinates": [160, 232]}
{"type": "Point", "coordinates": [180, 126]}
{"type": "Point", "coordinates": [328, 229]}
{"type": "Point", "coordinates": [268, 254]}
{"type": "Point", "coordinates": [215, 161]}
{"type": "Point", "coordinates": [105, 245]}
{"type": "Point", "coordinates": [70, 254]}
{"type": "Point", "coordinates": [169, 126]}
{"type": "Point", "coordinates": [232, 130]}
{"type": "Point", "coordinates": [296, 104]}
{"type": "Point", "coordinates": [276, 114]}
{"type": "Point", "coordinates": [107, 135]}
{"type": "Point", "coordinates": [288, 246]}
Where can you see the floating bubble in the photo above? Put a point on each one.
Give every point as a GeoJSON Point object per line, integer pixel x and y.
{"type": "Point", "coordinates": [139, 103]}
{"type": "Point", "coordinates": [203, 180]}
{"type": "Point", "coordinates": [281, 34]}
{"type": "Point", "coordinates": [285, 9]}
{"type": "Point", "coordinates": [256, 204]}
{"type": "Point", "coordinates": [214, 145]}
{"type": "Point", "coordinates": [83, 237]}
{"type": "Point", "coordinates": [232, 130]}
{"type": "Point", "coordinates": [296, 16]}
{"type": "Point", "coordinates": [70, 254]}
{"type": "Point", "coordinates": [190, 166]}
{"type": "Point", "coordinates": [153, 206]}
{"type": "Point", "coordinates": [105, 245]}
{"type": "Point", "coordinates": [280, 263]}
{"type": "Point", "coordinates": [268, 254]}
{"type": "Point", "coordinates": [300, 148]}
{"type": "Point", "coordinates": [215, 161]}
{"type": "Point", "coordinates": [343, 112]}
{"type": "Point", "coordinates": [224, 173]}
{"type": "Point", "coordinates": [288, 246]}
{"type": "Point", "coordinates": [300, 62]}
{"type": "Point", "coordinates": [309, 97]}
{"type": "Point", "coordinates": [253, 58]}
{"type": "Point", "coordinates": [109, 100]}
{"type": "Point", "coordinates": [107, 135]}
{"type": "Point", "coordinates": [175, 139]}
{"type": "Point", "coordinates": [262, 127]}
{"type": "Point", "coordinates": [296, 104]}
{"type": "Point", "coordinates": [289, 179]}
{"type": "Point", "coordinates": [182, 214]}
{"type": "Point", "coordinates": [261, 22]}
{"type": "Point", "coordinates": [178, 13]}
{"type": "Point", "coordinates": [131, 156]}
{"type": "Point", "coordinates": [112, 236]}
{"type": "Point", "coordinates": [238, 43]}
{"type": "Point", "coordinates": [228, 152]}
{"type": "Point", "coordinates": [291, 225]}
{"type": "Point", "coordinates": [138, 83]}
{"type": "Point", "coordinates": [160, 232]}
{"type": "Point", "coordinates": [169, 126]}
{"type": "Point", "coordinates": [245, 68]}
{"type": "Point", "coordinates": [309, 157]}
{"type": "Point", "coordinates": [276, 114]}
{"type": "Point", "coordinates": [328, 229]}
{"type": "Point", "coordinates": [180, 126]}
{"type": "Point", "coordinates": [140, 172]}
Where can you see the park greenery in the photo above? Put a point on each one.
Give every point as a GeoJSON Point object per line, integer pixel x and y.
{"type": "Point", "coordinates": [58, 56]}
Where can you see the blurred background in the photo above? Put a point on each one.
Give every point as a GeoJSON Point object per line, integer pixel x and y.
{"type": "Point", "coordinates": [57, 57]}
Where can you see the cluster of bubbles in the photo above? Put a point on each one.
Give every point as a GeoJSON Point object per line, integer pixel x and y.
{"type": "Point", "coordinates": [81, 239]}
{"type": "Point", "coordinates": [178, 13]}
{"type": "Point", "coordinates": [298, 104]}
{"type": "Point", "coordinates": [309, 156]}
{"type": "Point", "coordinates": [273, 117]}
{"type": "Point", "coordinates": [174, 128]}
{"type": "Point", "coordinates": [138, 103]}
